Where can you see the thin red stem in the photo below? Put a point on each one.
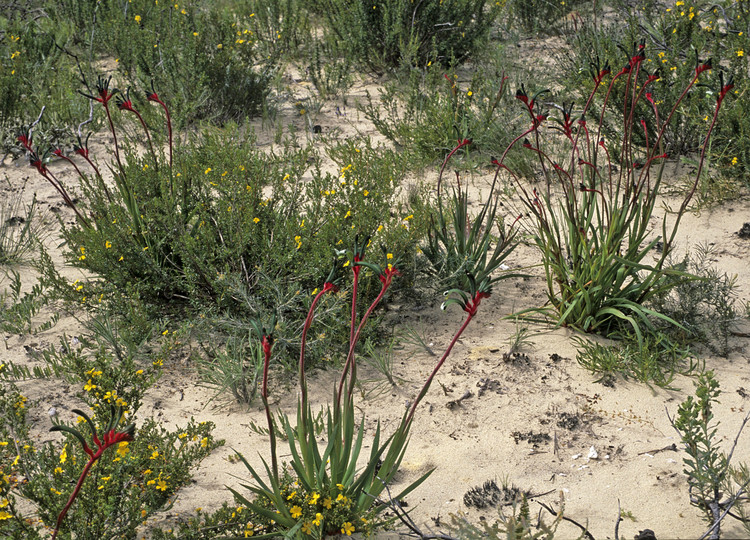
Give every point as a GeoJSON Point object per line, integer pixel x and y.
{"type": "Point", "coordinates": [114, 135]}
{"type": "Point", "coordinates": [350, 364]}
{"type": "Point", "coordinates": [148, 137]}
{"type": "Point", "coordinates": [47, 174]}
{"type": "Point", "coordinates": [73, 495]}
{"type": "Point", "coordinates": [308, 321]}
{"type": "Point", "coordinates": [269, 418]}
{"type": "Point", "coordinates": [428, 382]}
{"type": "Point", "coordinates": [169, 129]}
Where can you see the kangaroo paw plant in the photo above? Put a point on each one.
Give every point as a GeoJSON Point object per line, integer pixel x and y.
{"type": "Point", "coordinates": [591, 216]}
{"type": "Point", "coordinates": [110, 438]}
{"type": "Point", "coordinates": [323, 491]}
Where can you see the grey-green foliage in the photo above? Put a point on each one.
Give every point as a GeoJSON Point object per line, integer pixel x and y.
{"type": "Point", "coordinates": [703, 307]}
{"type": "Point", "coordinates": [234, 368]}
{"type": "Point", "coordinates": [461, 247]}
{"type": "Point", "coordinates": [381, 358]}
{"type": "Point", "coordinates": [516, 523]}
{"type": "Point", "coordinates": [656, 360]}
{"type": "Point", "coordinates": [330, 68]}
{"type": "Point", "coordinates": [426, 111]}
{"type": "Point", "coordinates": [546, 16]}
{"type": "Point", "coordinates": [20, 228]}
{"type": "Point", "coordinates": [713, 487]}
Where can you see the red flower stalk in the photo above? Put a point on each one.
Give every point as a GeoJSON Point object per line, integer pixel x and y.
{"type": "Point", "coordinates": [125, 104]}
{"type": "Point", "coordinates": [59, 153]}
{"type": "Point", "coordinates": [25, 139]}
{"type": "Point", "coordinates": [110, 438]}
{"type": "Point", "coordinates": [567, 122]}
{"type": "Point", "coordinates": [470, 307]}
{"type": "Point", "coordinates": [599, 77]}
{"type": "Point", "coordinates": [104, 96]}
{"type": "Point", "coordinates": [461, 144]}
{"type": "Point", "coordinates": [359, 253]}
{"type": "Point", "coordinates": [327, 287]}
{"type": "Point", "coordinates": [102, 90]}
{"type": "Point", "coordinates": [267, 343]}
{"type": "Point", "coordinates": [653, 77]}
{"type": "Point", "coordinates": [700, 68]}
{"type": "Point", "coordinates": [522, 96]}
{"type": "Point", "coordinates": [39, 163]}
{"type": "Point", "coordinates": [154, 97]}
{"type": "Point", "coordinates": [724, 88]}
{"type": "Point", "coordinates": [386, 277]}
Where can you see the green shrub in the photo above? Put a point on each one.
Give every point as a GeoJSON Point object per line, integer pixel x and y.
{"type": "Point", "coordinates": [280, 28]}
{"type": "Point", "coordinates": [35, 71]}
{"type": "Point", "coordinates": [20, 228]}
{"type": "Point", "coordinates": [545, 16]}
{"type": "Point", "coordinates": [153, 42]}
{"type": "Point", "coordinates": [428, 112]}
{"type": "Point", "coordinates": [715, 486]}
{"type": "Point", "coordinates": [703, 307]}
{"type": "Point", "coordinates": [129, 483]}
{"type": "Point", "coordinates": [654, 361]}
{"type": "Point", "coordinates": [227, 230]}
{"type": "Point", "coordinates": [386, 34]}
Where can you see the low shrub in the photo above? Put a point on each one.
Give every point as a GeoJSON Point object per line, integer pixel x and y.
{"type": "Point", "coordinates": [653, 361]}
{"type": "Point", "coordinates": [716, 487]}
{"type": "Point", "coordinates": [704, 308]}
{"type": "Point", "coordinates": [385, 34]}
{"type": "Point", "coordinates": [130, 482]}
{"type": "Point", "coordinates": [216, 226]}
{"type": "Point", "coordinates": [427, 112]}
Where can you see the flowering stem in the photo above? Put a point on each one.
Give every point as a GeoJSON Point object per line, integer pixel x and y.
{"type": "Point", "coordinates": [350, 362]}
{"type": "Point", "coordinates": [302, 381]}
{"type": "Point", "coordinates": [461, 144]}
{"type": "Point", "coordinates": [428, 382]}
{"type": "Point", "coordinates": [148, 137]}
{"type": "Point", "coordinates": [305, 328]}
{"type": "Point", "coordinates": [690, 194]}
{"type": "Point", "coordinates": [269, 418]}
{"type": "Point", "coordinates": [66, 158]}
{"type": "Point", "coordinates": [169, 129]}
{"type": "Point", "coordinates": [47, 174]}
{"type": "Point", "coordinates": [73, 495]}
{"type": "Point", "coordinates": [114, 135]}
{"type": "Point", "coordinates": [96, 170]}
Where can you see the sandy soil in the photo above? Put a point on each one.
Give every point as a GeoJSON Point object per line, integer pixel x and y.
{"type": "Point", "coordinates": [541, 394]}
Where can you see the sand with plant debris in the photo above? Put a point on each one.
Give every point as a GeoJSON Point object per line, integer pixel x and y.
{"type": "Point", "coordinates": [535, 419]}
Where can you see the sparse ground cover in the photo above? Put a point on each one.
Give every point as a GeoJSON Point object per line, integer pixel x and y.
{"type": "Point", "coordinates": [214, 213]}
